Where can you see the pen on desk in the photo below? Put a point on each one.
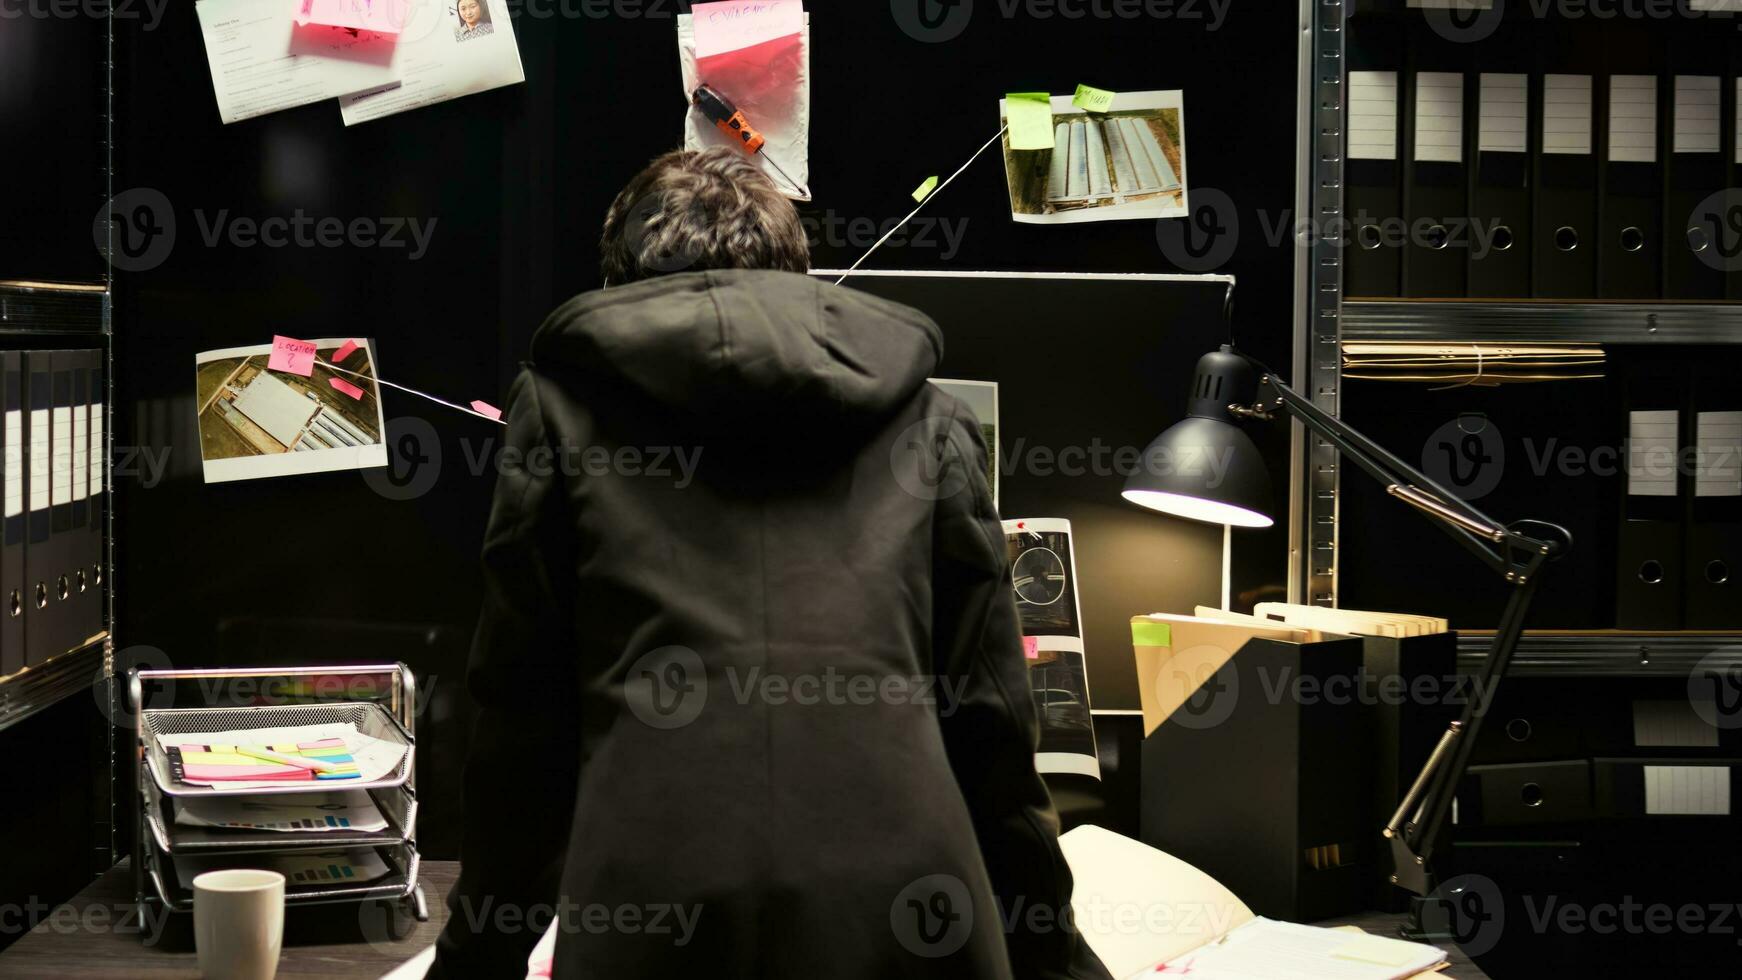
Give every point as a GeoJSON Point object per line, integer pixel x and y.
{"type": "Point", "coordinates": [301, 762]}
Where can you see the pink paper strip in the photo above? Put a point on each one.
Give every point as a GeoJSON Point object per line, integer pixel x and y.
{"type": "Point", "coordinates": [345, 351]}
{"type": "Point", "coordinates": [382, 16]}
{"type": "Point", "coordinates": [293, 356]}
{"type": "Point", "coordinates": [734, 24]}
{"type": "Point", "coordinates": [485, 408]}
{"type": "Point", "coordinates": [1031, 647]}
{"type": "Point", "coordinates": [347, 387]}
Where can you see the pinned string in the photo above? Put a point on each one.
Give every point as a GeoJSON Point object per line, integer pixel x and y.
{"type": "Point", "coordinates": [1467, 381]}
{"type": "Point", "coordinates": [1023, 527]}
{"type": "Point", "coordinates": [927, 200]}
{"type": "Point", "coordinates": [414, 391]}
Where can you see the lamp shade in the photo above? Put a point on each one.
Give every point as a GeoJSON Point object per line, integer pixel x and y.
{"type": "Point", "coordinates": [1205, 467]}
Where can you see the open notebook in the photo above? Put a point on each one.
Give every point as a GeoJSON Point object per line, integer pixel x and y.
{"type": "Point", "coordinates": [1148, 914]}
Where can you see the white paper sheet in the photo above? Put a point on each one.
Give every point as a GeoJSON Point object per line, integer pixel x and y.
{"type": "Point", "coordinates": [284, 812]}
{"type": "Point", "coordinates": [262, 61]}
{"type": "Point", "coordinates": [1265, 949]}
{"type": "Point", "coordinates": [440, 58]}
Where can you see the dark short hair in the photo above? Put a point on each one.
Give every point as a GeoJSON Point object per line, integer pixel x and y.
{"type": "Point", "coordinates": [700, 209]}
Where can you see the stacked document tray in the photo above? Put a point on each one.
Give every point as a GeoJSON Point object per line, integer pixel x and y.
{"type": "Point", "coordinates": [340, 863]}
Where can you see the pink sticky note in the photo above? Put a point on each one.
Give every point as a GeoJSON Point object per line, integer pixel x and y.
{"type": "Point", "coordinates": [382, 16]}
{"type": "Point", "coordinates": [485, 408]}
{"type": "Point", "coordinates": [345, 351]}
{"type": "Point", "coordinates": [734, 24]}
{"type": "Point", "coordinates": [294, 356]}
{"type": "Point", "coordinates": [1031, 647]}
{"type": "Point", "coordinates": [347, 387]}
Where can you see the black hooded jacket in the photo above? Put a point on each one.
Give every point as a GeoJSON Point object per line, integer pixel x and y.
{"type": "Point", "coordinates": [752, 695]}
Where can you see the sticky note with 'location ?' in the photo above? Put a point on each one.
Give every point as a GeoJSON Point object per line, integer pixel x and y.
{"type": "Point", "coordinates": [292, 356]}
{"type": "Point", "coordinates": [347, 387]}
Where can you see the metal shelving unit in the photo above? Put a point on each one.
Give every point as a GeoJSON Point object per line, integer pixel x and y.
{"type": "Point", "coordinates": [1610, 653]}
{"type": "Point", "coordinates": [1518, 321]}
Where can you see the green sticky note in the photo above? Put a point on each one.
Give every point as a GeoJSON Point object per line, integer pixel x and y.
{"type": "Point", "coordinates": [924, 190]}
{"type": "Point", "coordinates": [1148, 634]}
{"type": "Point", "coordinates": [1092, 99]}
{"type": "Point", "coordinates": [1030, 118]}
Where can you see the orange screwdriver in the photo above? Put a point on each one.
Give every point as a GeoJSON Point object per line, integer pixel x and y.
{"type": "Point", "coordinates": [731, 121]}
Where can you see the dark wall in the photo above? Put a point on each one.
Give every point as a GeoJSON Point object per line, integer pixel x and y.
{"type": "Point", "coordinates": [515, 182]}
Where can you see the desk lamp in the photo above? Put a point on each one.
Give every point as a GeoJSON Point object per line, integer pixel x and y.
{"type": "Point", "coordinates": [1214, 473]}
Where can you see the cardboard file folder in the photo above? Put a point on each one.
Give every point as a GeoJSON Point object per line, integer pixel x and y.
{"type": "Point", "coordinates": [1566, 190]}
{"type": "Point", "coordinates": [1436, 187]}
{"type": "Point", "coordinates": [1712, 549]}
{"type": "Point", "coordinates": [1500, 187]}
{"type": "Point", "coordinates": [1649, 565]}
{"type": "Point", "coordinates": [1630, 243]}
{"type": "Point", "coordinates": [1372, 258]}
{"type": "Point", "coordinates": [1696, 232]}
{"type": "Point", "coordinates": [1262, 783]}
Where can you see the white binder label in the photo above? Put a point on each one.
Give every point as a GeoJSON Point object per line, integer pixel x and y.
{"type": "Point", "coordinates": [99, 452]}
{"type": "Point", "coordinates": [1566, 114]}
{"type": "Point", "coordinates": [39, 494]}
{"type": "Point", "coordinates": [1633, 118]}
{"type": "Point", "coordinates": [81, 453]}
{"type": "Point", "coordinates": [63, 456]}
{"type": "Point", "coordinates": [1696, 114]}
{"type": "Point", "coordinates": [1718, 454]}
{"type": "Point", "coordinates": [1503, 114]}
{"type": "Point", "coordinates": [1439, 116]}
{"type": "Point", "coordinates": [14, 463]}
{"type": "Point", "coordinates": [1373, 115]}
{"type": "Point", "coordinates": [1700, 790]}
{"type": "Point", "coordinates": [1651, 453]}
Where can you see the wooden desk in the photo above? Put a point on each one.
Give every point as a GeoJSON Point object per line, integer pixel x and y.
{"type": "Point", "coordinates": [97, 935]}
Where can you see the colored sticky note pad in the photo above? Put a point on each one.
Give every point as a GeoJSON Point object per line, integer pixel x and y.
{"type": "Point", "coordinates": [924, 190]}
{"type": "Point", "coordinates": [1092, 99]}
{"type": "Point", "coordinates": [1030, 117]}
{"type": "Point", "coordinates": [347, 387]}
{"type": "Point", "coordinates": [350, 347]}
{"type": "Point", "coordinates": [486, 409]}
{"type": "Point", "coordinates": [735, 24]}
{"type": "Point", "coordinates": [1031, 647]}
{"type": "Point", "coordinates": [292, 356]}
{"type": "Point", "coordinates": [382, 16]}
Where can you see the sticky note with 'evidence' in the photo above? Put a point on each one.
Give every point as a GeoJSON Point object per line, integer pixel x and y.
{"type": "Point", "coordinates": [347, 387]}
{"type": "Point", "coordinates": [293, 356]}
{"type": "Point", "coordinates": [344, 352]}
{"type": "Point", "coordinates": [735, 24]}
{"type": "Point", "coordinates": [1030, 118]}
{"type": "Point", "coordinates": [1092, 99]}
{"type": "Point", "coordinates": [924, 190]}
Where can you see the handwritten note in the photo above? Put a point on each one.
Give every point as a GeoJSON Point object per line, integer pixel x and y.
{"type": "Point", "coordinates": [1091, 99]}
{"type": "Point", "coordinates": [346, 387]}
{"type": "Point", "coordinates": [487, 409]}
{"type": "Point", "coordinates": [924, 190]}
{"type": "Point", "coordinates": [1030, 118]}
{"type": "Point", "coordinates": [735, 24]}
{"type": "Point", "coordinates": [292, 356]}
{"type": "Point", "coordinates": [345, 351]}
{"type": "Point", "coordinates": [381, 16]}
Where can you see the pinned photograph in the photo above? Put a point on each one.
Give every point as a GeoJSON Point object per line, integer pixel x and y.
{"type": "Point", "coordinates": [283, 408]}
{"type": "Point", "coordinates": [1044, 578]}
{"type": "Point", "coordinates": [1125, 163]}
{"type": "Point", "coordinates": [982, 398]}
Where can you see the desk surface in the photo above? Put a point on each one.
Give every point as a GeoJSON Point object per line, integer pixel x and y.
{"type": "Point", "coordinates": [97, 935]}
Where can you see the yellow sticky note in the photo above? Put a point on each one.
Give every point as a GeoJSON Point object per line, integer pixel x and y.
{"type": "Point", "coordinates": [1030, 118]}
{"type": "Point", "coordinates": [1376, 950]}
{"type": "Point", "coordinates": [1092, 99]}
{"type": "Point", "coordinates": [924, 190]}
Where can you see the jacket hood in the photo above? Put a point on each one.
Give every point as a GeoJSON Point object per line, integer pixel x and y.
{"type": "Point", "coordinates": [739, 345]}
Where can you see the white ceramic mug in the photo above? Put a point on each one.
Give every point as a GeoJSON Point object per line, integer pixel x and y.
{"type": "Point", "coordinates": [239, 923]}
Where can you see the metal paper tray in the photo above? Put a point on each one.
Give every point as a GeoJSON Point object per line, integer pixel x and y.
{"type": "Point", "coordinates": [397, 804]}
{"type": "Point", "coordinates": [399, 882]}
{"type": "Point", "coordinates": [371, 719]}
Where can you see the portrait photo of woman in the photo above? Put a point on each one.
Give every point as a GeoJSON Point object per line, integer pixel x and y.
{"type": "Point", "coordinates": [474, 20]}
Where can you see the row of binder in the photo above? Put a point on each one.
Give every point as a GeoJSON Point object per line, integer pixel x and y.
{"type": "Point", "coordinates": [51, 540]}
{"type": "Point", "coordinates": [1522, 178]}
{"type": "Point", "coordinates": [1679, 557]}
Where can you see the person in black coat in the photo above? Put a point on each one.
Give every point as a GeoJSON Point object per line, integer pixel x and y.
{"type": "Point", "coordinates": [752, 696]}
